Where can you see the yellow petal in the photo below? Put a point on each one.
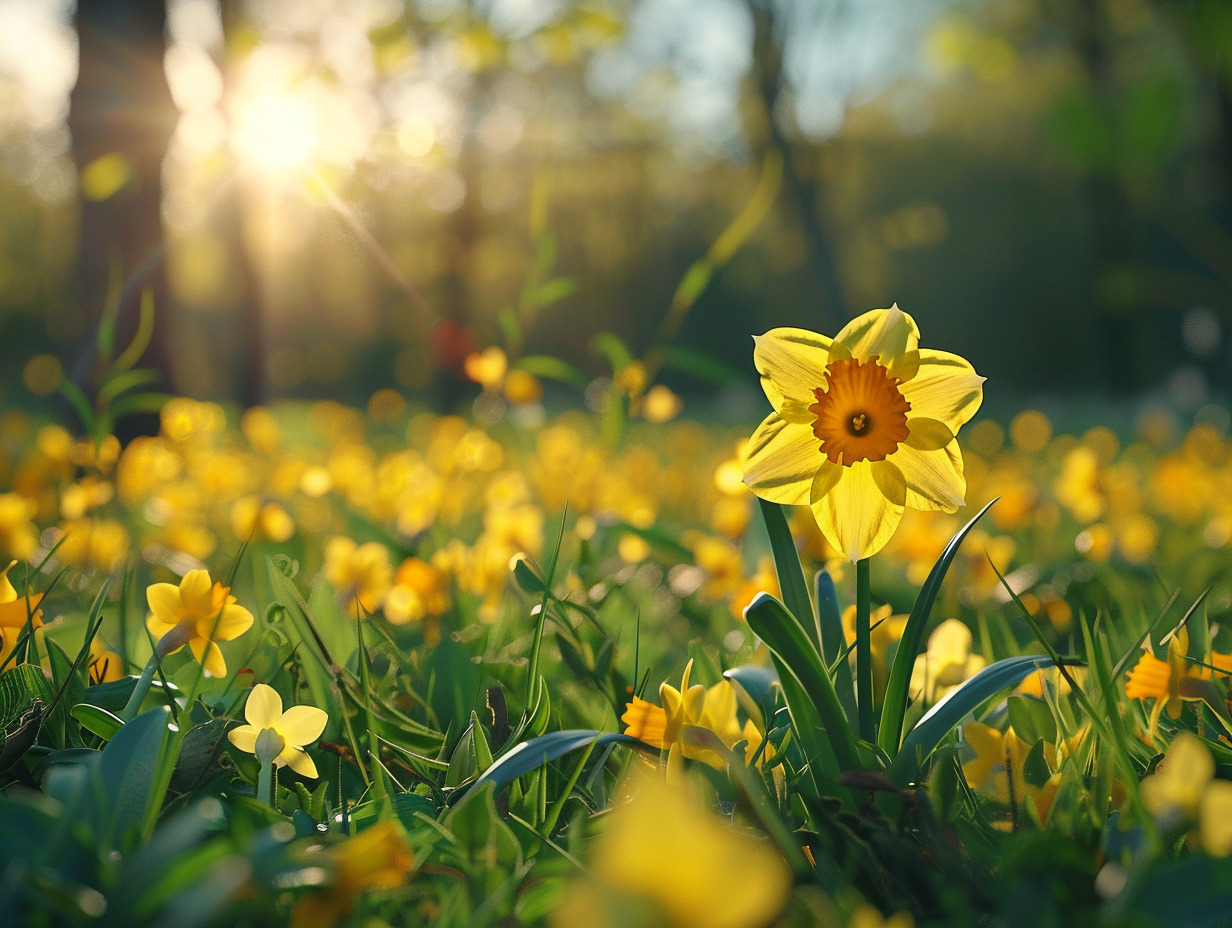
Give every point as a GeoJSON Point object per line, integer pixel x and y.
{"type": "Point", "coordinates": [890, 481]}
{"type": "Point", "coordinates": [264, 707]}
{"type": "Point", "coordinates": [855, 516]}
{"type": "Point", "coordinates": [669, 696]}
{"type": "Point", "coordinates": [792, 364]}
{"type": "Point", "coordinates": [158, 628]}
{"type": "Point", "coordinates": [885, 333]}
{"type": "Point", "coordinates": [946, 388]}
{"type": "Point", "coordinates": [1216, 818]}
{"type": "Point", "coordinates": [244, 737]}
{"type": "Point", "coordinates": [694, 701]}
{"type": "Point", "coordinates": [215, 663]}
{"type": "Point", "coordinates": [935, 479]}
{"type": "Point", "coordinates": [299, 761]}
{"type": "Point", "coordinates": [927, 434]}
{"type": "Point", "coordinates": [164, 600]}
{"type": "Point", "coordinates": [780, 461]}
{"type": "Point", "coordinates": [234, 621]}
{"type": "Point", "coordinates": [195, 587]}
{"type": "Point", "coordinates": [301, 725]}
{"type": "Point", "coordinates": [905, 366]}
{"type": "Point", "coordinates": [825, 479]}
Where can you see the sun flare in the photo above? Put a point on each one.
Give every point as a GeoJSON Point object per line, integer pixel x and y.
{"type": "Point", "coordinates": [275, 131]}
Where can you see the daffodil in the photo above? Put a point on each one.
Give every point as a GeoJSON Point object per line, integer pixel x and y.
{"type": "Point", "coordinates": [663, 849]}
{"type": "Point", "coordinates": [298, 726]}
{"type": "Point", "coordinates": [15, 613]}
{"type": "Point", "coordinates": [679, 726]}
{"type": "Point", "coordinates": [197, 613]}
{"type": "Point", "coordinates": [376, 858]}
{"type": "Point", "coordinates": [1172, 681]}
{"type": "Point", "coordinates": [863, 427]}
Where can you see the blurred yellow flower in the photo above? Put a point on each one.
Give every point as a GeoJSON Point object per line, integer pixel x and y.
{"type": "Point", "coordinates": [946, 663]}
{"type": "Point", "coordinates": [15, 613]}
{"type": "Point", "coordinates": [105, 665]}
{"type": "Point", "coordinates": [362, 574]}
{"type": "Point", "coordinates": [662, 848]}
{"type": "Point", "coordinates": [863, 427]}
{"type": "Point", "coordinates": [1174, 680]}
{"type": "Point", "coordinates": [376, 858]}
{"type": "Point", "coordinates": [886, 631]}
{"type": "Point", "coordinates": [298, 726]}
{"type": "Point", "coordinates": [198, 614]}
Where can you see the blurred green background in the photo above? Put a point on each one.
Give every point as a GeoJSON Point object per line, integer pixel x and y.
{"type": "Point", "coordinates": [328, 198]}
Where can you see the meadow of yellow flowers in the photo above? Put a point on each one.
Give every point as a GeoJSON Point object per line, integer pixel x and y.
{"type": "Point", "coordinates": [319, 665]}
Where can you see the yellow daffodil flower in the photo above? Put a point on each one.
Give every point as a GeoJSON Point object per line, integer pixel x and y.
{"type": "Point", "coordinates": [361, 573]}
{"type": "Point", "coordinates": [298, 726]}
{"type": "Point", "coordinates": [105, 665]}
{"type": "Point", "coordinates": [198, 614]}
{"type": "Point", "coordinates": [886, 631]}
{"type": "Point", "coordinates": [1174, 680]}
{"type": "Point", "coordinates": [691, 707]}
{"type": "Point", "coordinates": [662, 848]}
{"type": "Point", "coordinates": [946, 663]}
{"type": "Point", "coordinates": [376, 858]}
{"type": "Point", "coordinates": [15, 613]}
{"type": "Point", "coordinates": [863, 427]}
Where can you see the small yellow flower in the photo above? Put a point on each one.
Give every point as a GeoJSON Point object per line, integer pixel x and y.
{"type": "Point", "coordinates": [361, 573]}
{"type": "Point", "coordinates": [1174, 791]}
{"type": "Point", "coordinates": [15, 613]}
{"type": "Point", "coordinates": [946, 663]}
{"type": "Point", "coordinates": [1174, 680]}
{"type": "Point", "coordinates": [863, 427]}
{"type": "Point", "coordinates": [298, 726]}
{"type": "Point", "coordinates": [198, 614]}
{"type": "Point", "coordinates": [375, 858]}
{"type": "Point", "coordinates": [105, 665]}
{"type": "Point", "coordinates": [664, 849]}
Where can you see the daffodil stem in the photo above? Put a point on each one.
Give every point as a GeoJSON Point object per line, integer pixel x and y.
{"type": "Point", "coordinates": [139, 691]}
{"type": "Point", "coordinates": [265, 785]}
{"type": "Point", "coordinates": [864, 652]}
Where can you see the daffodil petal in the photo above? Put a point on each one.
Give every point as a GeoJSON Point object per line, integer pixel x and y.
{"type": "Point", "coordinates": [935, 479]}
{"type": "Point", "coordinates": [299, 761]}
{"type": "Point", "coordinates": [195, 586]}
{"type": "Point", "coordinates": [945, 388]}
{"type": "Point", "coordinates": [264, 707]}
{"type": "Point", "coordinates": [825, 479]}
{"type": "Point", "coordinates": [694, 702]}
{"type": "Point", "coordinates": [669, 696]}
{"type": "Point", "coordinates": [792, 364]}
{"type": "Point", "coordinates": [886, 333]}
{"type": "Point", "coordinates": [164, 601]}
{"type": "Point", "coordinates": [905, 366]}
{"type": "Point", "coordinates": [157, 627]}
{"type": "Point", "coordinates": [927, 434]}
{"type": "Point", "coordinates": [215, 663]}
{"type": "Point", "coordinates": [855, 516]}
{"type": "Point", "coordinates": [234, 621]}
{"type": "Point", "coordinates": [244, 737]}
{"type": "Point", "coordinates": [781, 460]}
{"type": "Point", "coordinates": [301, 725]}
{"type": "Point", "coordinates": [890, 481]}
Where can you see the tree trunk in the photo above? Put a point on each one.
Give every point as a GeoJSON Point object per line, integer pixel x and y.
{"type": "Point", "coordinates": [122, 106]}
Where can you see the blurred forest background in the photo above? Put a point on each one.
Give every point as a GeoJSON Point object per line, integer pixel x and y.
{"type": "Point", "coordinates": [328, 197]}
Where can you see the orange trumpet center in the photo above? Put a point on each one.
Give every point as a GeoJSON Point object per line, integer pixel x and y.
{"type": "Point", "coordinates": [860, 415]}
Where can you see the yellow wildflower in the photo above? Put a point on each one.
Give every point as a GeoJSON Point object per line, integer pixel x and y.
{"type": "Point", "coordinates": [298, 726]}
{"type": "Point", "coordinates": [690, 707]}
{"type": "Point", "coordinates": [376, 858]}
{"type": "Point", "coordinates": [887, 630]}
{"type": "Point", "coordinates": [361, 573]}
{"type": "Point", "coordinates": [105, 665]}
{"type": "Point", "coordinates": [15, 613]}
{"type": "Point", "coordinates": [863, 427]}
{"type": "Point", "coordinates": [1171, 681]}
{"type": "Point", "coordinates": [198, 614]}
{"type": "Point", "coordinates": [664, 849]}
{"type": "Point", "coordinates": [946, 663]}
{"type": "Point", "coordinates": [1173, 793]}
